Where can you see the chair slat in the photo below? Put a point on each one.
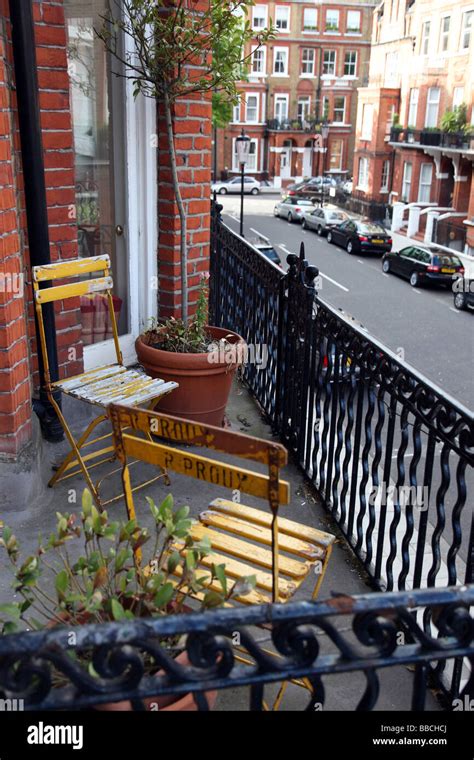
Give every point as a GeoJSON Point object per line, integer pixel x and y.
{"type": "Point", "coordinates": [73, 289]}
{"type": "Point", "coordinates": [64, 269]}
{"type": "Point", "coordinates": [210, 470]}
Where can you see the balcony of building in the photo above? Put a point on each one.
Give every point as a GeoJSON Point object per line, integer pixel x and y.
{"type": "Point", "coordinates": [293, 125]}
{"type": "Point", "coordinates": [445, 142]}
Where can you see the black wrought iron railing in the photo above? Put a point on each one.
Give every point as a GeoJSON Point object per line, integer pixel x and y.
{"type": "Point", "coordinates": [434, 137]}
{"type": "Point", "coordinates": [320, 642]}
{"type": "Point", "coordinates": [449, 234]}
{"type": "Point", "coordinates": [390, 454]}
{"type": "Point", "coordinates": [300, 125]}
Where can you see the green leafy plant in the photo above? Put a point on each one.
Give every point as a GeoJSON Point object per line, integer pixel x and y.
{"type": "Point", "coordinates": [106, 582]}
{"type": "Point", "coordinates": [396, 121]}
{"type": "Point", "coordinates": [455, 121]}
{"type": "Point", "coordinates": [180, 50]}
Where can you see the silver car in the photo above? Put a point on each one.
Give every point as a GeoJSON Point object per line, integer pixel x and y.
{"type": "Point", "coordinates": [323, 219]}
{"type": "Point", "coordinates": [251, 185]}
{"type": "Point", "coordinates": [292, 208]}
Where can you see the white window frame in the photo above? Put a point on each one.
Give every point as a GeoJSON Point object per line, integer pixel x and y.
{"type": "Point", "coordinates": [313, 62]}
{"type": "Point", "coordinates": [413, 106]}
{"type": "Point", "coordinates": [424, 183]}
{"type": "Point", "coordinates": [391, 71]}
{"type": "Point", "coordinates": [444, 34]}
{"type": "Point", "coordinates": [281, 96]}
{"type": "Point", "coordinates": [304, 99]}
{"type": "Point", "coordinates": [248, 166]}
{"type": "Point", "coordinates": [262, 10]}
{"type": "Point", "coordinates": [430, 103]}
{"type": "Point", "coordinates": [359, 28]}
{"type": "Point", "coordinates": [286, 17]}
{"type": "Point", "coordinates": [385, 176]}
{"type": "Point", "coordinates": [425, 38]}
{"type": "Point", "coordinates": [354, 63]}
{"type": "Point", "coordinates": [406, 181]}
{"type": "Point", "coordinates": [363, 173]}
{"type": "Point", "coordinates": [236, 112]}
{"type": "Point", "coordinates": [333, 143]}
{"type": "Point", "coordinates": [336, 13]}
{"type": "Point", "coordinates": [466, 29]}
{"type": "Point", "coordinates": [263, 50]}
{"type": "Point", "coordinates": [326, 105]}
{"type": "Point", "coordinates": [367, 122]}
{"type": "Point", "coordinates": [335, 120]}
{"type": "Point", "coordinates": [310, 28]}
{"type": "Point", "coordinates": [334, 63]}
{"type": "Point", "coordinates": [277, 50]}
{"type": "Point", "coordinates": [255, 95]}
{"type": "Point", "coordinates": [458, 96]}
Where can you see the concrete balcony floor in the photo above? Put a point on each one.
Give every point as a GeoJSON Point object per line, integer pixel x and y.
{"type": "Point", "coordinates": [345, 575]}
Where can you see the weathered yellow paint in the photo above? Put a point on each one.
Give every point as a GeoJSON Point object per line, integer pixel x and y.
{"type": "Point", "coordinates": [257, 516]}
{"type": "Point", "coordinates": [72, 290]}
{"type": "Point", "coordinates": [243, 550]}
{"type": "Point", "coordinates": [63, 269]}
{"type": "Point", "coordinates": [219, 474]}
{"type": "Point", "coordinates": [253, 597]}
{"type": "Point", "coordinates": [260, 534]}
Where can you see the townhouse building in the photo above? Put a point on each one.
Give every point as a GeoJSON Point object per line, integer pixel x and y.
{"type": "Point", "coordinates": [407, 154]}
{"type": "Point", "coordinates": [308, 73]}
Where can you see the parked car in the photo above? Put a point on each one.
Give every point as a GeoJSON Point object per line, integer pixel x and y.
{"type": "Point", "coordinates": [311, 187]}
{"type": "Point", "coordinates": [421, 266]}
{"type": "Point", "coordinates": [360, 236]}
{"type": "Point", "coordinates": [251, 185]}
{"type": "Point", "coordinates": [322, 219]}
{"type": "Point", "coordinates": [269, 251]}
{"type": "Point", "coordinates": [292, 209]}
{"type": "Point", "coordinates": [347, 186]}
{"type": "Point", "coordinates": [463, 294]}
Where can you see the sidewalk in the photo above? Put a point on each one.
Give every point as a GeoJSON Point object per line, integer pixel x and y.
{"type": "Point", "coordinates": [345, 574]}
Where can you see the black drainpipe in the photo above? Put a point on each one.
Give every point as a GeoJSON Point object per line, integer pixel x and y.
{"type": "Point", "coordinates": [24, 54]}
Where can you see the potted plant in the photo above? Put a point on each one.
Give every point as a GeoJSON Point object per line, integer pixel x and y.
{"type": "Point", "coordinates": [454, 125]}
{"type": "Point", "coordinates": [182, 50]}
{"type": "Point", "coordinates": [410, 132]}
{"type": "Point", "coordinates": [202, 359]}
{"type": "Point", "coordinates": [106, 583]}
{"type": "Point", "coordinates": [396, 128]}
{"type": "Point", "coordinates": [430, 136]}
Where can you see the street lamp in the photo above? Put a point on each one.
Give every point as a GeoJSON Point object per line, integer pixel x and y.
{"type": "Point", "coordinates": [242, 146]}
{"type": "Point", "coordinates": [324, 135]}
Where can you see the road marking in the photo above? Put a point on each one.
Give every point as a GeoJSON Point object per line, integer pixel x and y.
{"type": "Point", "coordinates": [456, 311]}
{"type": "Point", "coordinates": [416, 291]}
{"type": "Point", "coordinates": [324, 276]}
{"type": "Point", "coordinates": [360, 261]}
{"type": "Point", "coordinates": [383, 274]}
{"type": "Point", "coordinates": [260, 234]}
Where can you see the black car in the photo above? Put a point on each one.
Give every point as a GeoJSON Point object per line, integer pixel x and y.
{"type": "Point", "coordinates": [422, 266]}
{"type": "Point", "coordinates": [463, 290]}
{"type": "Point", "coordinates": [270, 252]}
{"type": "Point", "coordinates": [360, 236]}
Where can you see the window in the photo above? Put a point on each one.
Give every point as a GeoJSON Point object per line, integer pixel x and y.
{"type": "Point", "coordinates": [304, 107]}
{"type": "Point", "coordinates": [444, 33]}
{"type": "Point", "coordinates": [363, 180]}
{"type": "Point", "coordinates": [413, 109]}
{"type": "Point", "coordinates": [458, 96]}
{"type": "Point", "coordinates": [350, 63]}
{"type": "Point", "coordinates": [259, 17]}
{"type": "Point", "coordinates": [258, 60]}
{"type": "Point", "coordinates": [282, 18]}
{"type": "Point", "coordinates": [236, 112]}
{"type": "Point", "coordinates": [310, 19]}
{"type": "Point", "coordinates": [339, 110]}
{"type": "Point", "coordinates": [390, 114]}
{"type": "Point", "coordinates": [392, 75]}
{"type": "Point", "coordinates": [280, 61]}
{"type": "Point", "coordinates": [307, 61]}
{"type": "Point", "coordinates": [406, 183]}
{"type": "Point", "coordinates": [425, 37]}
{"type": "Point", "coordinates": [384, 177]}
{"type": "Point", "coordinates": [466, 29]}
{"type": "Point", "coordinates": [353, 21]}
{"type": "Point", "coordinates": [432, 107]}
{"type": "Point", "coordinates": [332, 21]}
{"type": "Point", "coordinates": [251, 108]}
{"type": "Point", "coordinates": [329, 62]}
{"type": "Point", "coordinates": [251, 164]}
{"type": "Point", "coordinates": [367, 118]}
{"type": "Point", "coordinates": [424, 188]}
{"type": "Point", "coordinates": [325, 107]}
{"type": "Point", "coordinates": [335, 155]}
{"type": "Point", "coordinates": [281, 107]}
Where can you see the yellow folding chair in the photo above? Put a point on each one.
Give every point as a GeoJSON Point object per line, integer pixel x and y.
{"type": "Point", "coordinates": [239, 535]}
{"type": "Point", "coordinates": [99, 387]}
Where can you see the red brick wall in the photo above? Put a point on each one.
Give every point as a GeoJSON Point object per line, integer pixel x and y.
{"type": "Point", "coordinates": [193, 142]}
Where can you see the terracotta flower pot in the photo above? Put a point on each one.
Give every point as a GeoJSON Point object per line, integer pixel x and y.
{"type": "Point", "coordinates": [204, 381]}
{"type": "Point", "coordinates": [166, 702]}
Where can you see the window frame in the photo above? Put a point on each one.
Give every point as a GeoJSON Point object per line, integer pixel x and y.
{"type": "Point", "coordinates": [351, 53]}
{"type": "Point", "coordinates": [336, 12]}
{"type": "Point", "coordinates": [466, 29]}
{"type": "Point", "coordinates": [407, 181]}
{"type": "Point", "coordinates": [303, 62]}
{"type": "Point", "coordinates": [328, 50]}
{"type": "Point", "coordinates": [425, 38]}
{"type": "Point", "coordinates": [255, 95]}
{"type": "Point", "coordinates": [281, 96]}
{"type": "Point", "coordinates": [259, 49]}
{"type": "Point", "coordinates": [413, 106]}
{"type": "Point", "coordinates": [429, 104]}
{"type": "Point", "coordinates": [310, 28]}
{"type": "Point", "coordinates": [334, 109]}
{"type": "Point", "coordinates": [336, 141]}
{"type": "Point", "coordinates": [385, 176]}
{"type": "Point", "coordinates": [424, 186]}
{"type": "Point", "coordinates": [363, 161]}
{"type": "Point", "coordinates": [359, 29]}
{"type": "Point", "coordinates": [301, 98]}
{"type": "Point", "coordinates": [280, 49]}
{"type": "Point", "coordinates": [279, 8]}
{"type": "Point", "coordinates": [444, 35]}
{"type": "Point", "coordinates": [254, 9]}
{"type": "Point", "coordinates": [235, 165]}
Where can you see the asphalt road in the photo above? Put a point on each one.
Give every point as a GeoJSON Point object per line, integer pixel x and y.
{"type": "Point", "coordinates": [420, 324]}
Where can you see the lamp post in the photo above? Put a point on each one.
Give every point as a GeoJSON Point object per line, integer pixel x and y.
{"type": "Point", "coordinates": [242, 146]}
{"type": "Point", "coordinates": [325, 135]}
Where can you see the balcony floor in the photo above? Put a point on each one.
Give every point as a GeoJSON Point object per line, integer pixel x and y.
{"type": "Point", "coordinates": [344, 574]}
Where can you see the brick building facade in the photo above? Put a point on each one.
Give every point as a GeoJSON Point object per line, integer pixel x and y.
{"type": "Point", "coordinates": [422, 65]}
{"type": "Point", "coordinates": [310, 70]}
{"type": "Point", "coordinates": [106, 172]}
